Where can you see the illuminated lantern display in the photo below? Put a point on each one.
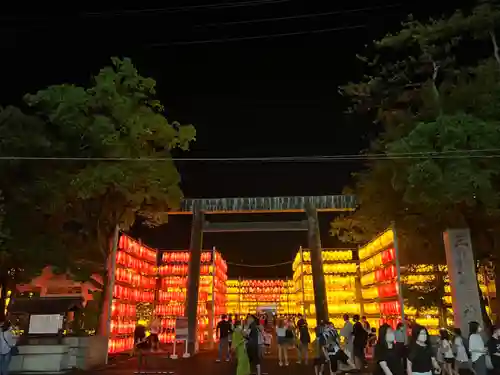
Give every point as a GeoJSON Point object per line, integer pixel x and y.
{"type": "Point", "coordinates": [339, 269]}
{"type": "Point", "coordinates": [135, 282]}
{"type": "Point", "coordinates": [248, 296]}
{"type": "Point", "coordinates": [173, 273]}
{"type": "Point", "coordinates": [379, 281]}
{"type": "Point", "coordinates": [420, 276]}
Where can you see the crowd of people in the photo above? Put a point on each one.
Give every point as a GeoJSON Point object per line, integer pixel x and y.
{"type": "Point", "coordinates": [406, 349]}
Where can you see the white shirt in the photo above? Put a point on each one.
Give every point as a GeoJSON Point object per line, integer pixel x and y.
{"type": "Point", "coordinates": [346, 331]}
{"type": "Point", "coordinates": [446, 349]}
{"type": "Point", "coordinates": [476, 346]}
{"type": "Point", "coordinates": [281, 332]}
{"type": "Point", "coordinates": [7, 341]}
{"type": "Point", "coordinates": [461, 352]}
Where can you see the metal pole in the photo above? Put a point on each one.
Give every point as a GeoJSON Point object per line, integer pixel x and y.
{"type": "Point", "coordinates": [398, 273]}
{"type": "Point", "coordinates": [302, 280]}
{"type": "Point", "coordinates": [287, 299]}
{"type": "Point", "coordinates": [212, 315]}
{"type": "Point", "coordinates": [111, 286]}
{"type": "Point", "coordinates": [239, 298]}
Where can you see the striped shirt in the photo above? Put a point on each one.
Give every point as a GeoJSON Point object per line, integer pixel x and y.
{"type": "Point", "coordinates": [330, 338]}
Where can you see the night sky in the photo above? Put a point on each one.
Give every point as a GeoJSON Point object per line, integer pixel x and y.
{"type": "Point", "coordinates": [220, 66]}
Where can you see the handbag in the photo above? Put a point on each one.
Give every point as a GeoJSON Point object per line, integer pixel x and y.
{"type": "Point", "coordinates": [14, 350]}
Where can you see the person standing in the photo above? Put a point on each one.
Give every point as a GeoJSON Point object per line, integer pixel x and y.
{"type": "Point", "coordinates": [360, 338]}
{"type": "Point", "coordinates": [401, 347]}
{"type": "Point", "coordinates": [253, 343]}
{"type": "Point", "coordinates": [477, 349]}
{"type": "Point", "coordinates": [366, 324]}
{"type": "Point", "coordinates": [446, 350]}
{"type": "Point", "coordinates": [304, 341]}
{"type": "Point", "coordinates": [154, 331]}
{"type": "Point", "coordinates": [7, 342]}
{"type": "Point", "coordinates": [231, 329]}
{"type": "Point", "coordinates": [282, 343]}
{"type": "Point", "coordinates": [239, 348]}
{"type": "Point", "coordinates": [494, 349]}
{"type": "Point", "coordinates": [223, 329]}
{"type": "Point", "coordinates": [462, 354]}
{"type": "Point", "coordinates": [386, 355]}
{"type": "Point", "coordinates": [421, 360]}
{"type": "Point", "coordinates": [319, 350]}
{"type": "Point", "coordinates": [346, 333]}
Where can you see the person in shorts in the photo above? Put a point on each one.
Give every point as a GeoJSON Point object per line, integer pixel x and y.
{"type": "Point", "coordinates": [154, 331]}
{"type": "Point", "coordinates": [268, 338]}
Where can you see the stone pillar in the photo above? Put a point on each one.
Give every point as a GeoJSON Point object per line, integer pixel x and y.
{"type": "Point", "coordinates": [195, 246]}
{"type": "Point", "coordinates": [315, 248]}
{"type": "Point", "coordinates": [463, 278]}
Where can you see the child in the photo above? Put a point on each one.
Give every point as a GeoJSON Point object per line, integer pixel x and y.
{"type": "Point", "coordinates": [268, 337]}
{"type": "Point", "coordinates": [372, 340]}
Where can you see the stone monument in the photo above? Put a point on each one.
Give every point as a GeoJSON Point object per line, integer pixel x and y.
{"type": "Point", "coordinates": [463, 278]}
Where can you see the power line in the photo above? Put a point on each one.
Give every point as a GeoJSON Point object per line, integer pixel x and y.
{"type": "Point", "coordinates": [125, 12]}
{"type": "Point", "coordinates": [259, 266]}
{"type": "Point", "coordinates": [452, 154]}
{"type": "Point", "coordinates": [216, 6]}
{"type": "Point", "coordinates": [256, 37]}
{"type": "Point", "coordinates": [298, 16]}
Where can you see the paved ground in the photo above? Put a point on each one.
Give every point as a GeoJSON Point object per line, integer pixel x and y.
{"type": "Point", "coordinates": [202, 364]}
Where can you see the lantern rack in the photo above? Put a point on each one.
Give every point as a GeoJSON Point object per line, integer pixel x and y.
{"type": "Point", "coordinates": [135, 282]}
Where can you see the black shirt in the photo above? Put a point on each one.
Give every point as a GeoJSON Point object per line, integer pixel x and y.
{"type": "Point", "coordinates": [253, 336]}
{"type": "Point", "coordinates": [305, 337]}
{"type": "Point", "coordinates": [360, 335]}
{"type": "Point", "coordinates": [421, 358]}
{"type": "Point", "coordinates": [494, 348]}
{"type": "Point", "coordinates": [224, 328]}
{"type": "Point", "coordinates": [391, 357]}
{"type": "Point", "coordinates": [139, 333]}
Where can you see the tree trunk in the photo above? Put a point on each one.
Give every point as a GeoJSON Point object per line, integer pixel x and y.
{"type": "Point", "coordinates": [495, 46]}
{"type": "Point", "coordinates": [102, 303]}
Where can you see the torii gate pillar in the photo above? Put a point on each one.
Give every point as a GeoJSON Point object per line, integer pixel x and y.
{"type": "Point", "coordinates": [314, 240]}
{"type": "Point", "coordinates": [196, 243]}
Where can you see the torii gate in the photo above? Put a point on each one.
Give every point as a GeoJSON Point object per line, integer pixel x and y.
{"type": "Point", "coordinates": [311, 205]}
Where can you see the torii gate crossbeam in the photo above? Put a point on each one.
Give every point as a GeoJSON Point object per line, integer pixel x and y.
{"type": "Point", "coordinates": [310, 205]}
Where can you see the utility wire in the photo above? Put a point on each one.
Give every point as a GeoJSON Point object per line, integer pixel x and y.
{"type": "Point", "coordinates": [297, 16]}
{"type": "Point", "coordinates": [216, 6]}
{"type": "Point", "coordinates": [125, 12]}
{"type": "Point", "coordinates": [255, 37]}
{"type": "Point", "coordinates": [452, 154]}
{"type": "Point", "coordinates": [259, 266]}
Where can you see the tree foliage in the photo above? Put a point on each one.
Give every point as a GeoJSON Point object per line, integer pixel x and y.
{"type": "Point", "coordinates": [437, 103]}
{"type": "Point", "coordinates": [120, 127]}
